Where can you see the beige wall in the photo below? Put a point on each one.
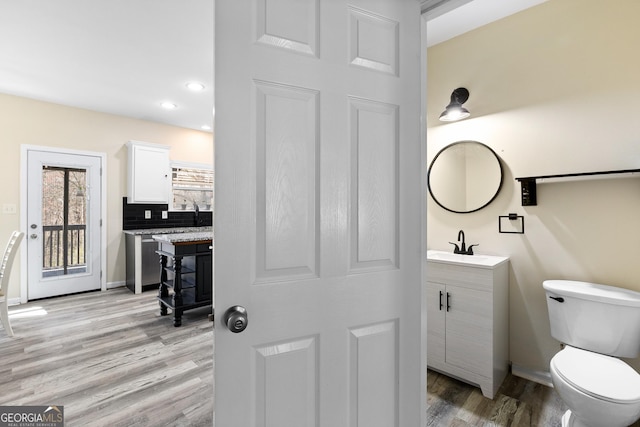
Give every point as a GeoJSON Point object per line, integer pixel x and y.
{"type": "Point", "coordinates": [554, 89]}
{"type": "Point", "coordinates": [25, 121]}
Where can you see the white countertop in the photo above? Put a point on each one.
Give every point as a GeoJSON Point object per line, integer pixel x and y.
{"type": "Point", "coordinates": [476, 260]}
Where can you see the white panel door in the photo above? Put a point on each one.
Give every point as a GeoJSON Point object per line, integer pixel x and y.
{"type": "Point", "coordinates": [319, 190]}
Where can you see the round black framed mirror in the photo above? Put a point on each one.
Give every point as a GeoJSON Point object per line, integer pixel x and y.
{"type": "Point", "coordinates": [465, 176]}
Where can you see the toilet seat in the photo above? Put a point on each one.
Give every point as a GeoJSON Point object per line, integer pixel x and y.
{"type": "Point", "coordinates": [600, 376]}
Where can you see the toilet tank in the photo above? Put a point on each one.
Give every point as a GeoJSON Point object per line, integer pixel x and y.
{"type": "Point", "coordinates": [600, 318]}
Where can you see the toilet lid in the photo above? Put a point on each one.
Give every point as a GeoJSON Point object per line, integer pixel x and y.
{"type": "Point", "coordinates": [601, 376]}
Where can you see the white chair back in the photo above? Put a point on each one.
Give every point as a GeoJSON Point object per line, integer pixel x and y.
{"type": "Point", "coordinates": [5, 273]}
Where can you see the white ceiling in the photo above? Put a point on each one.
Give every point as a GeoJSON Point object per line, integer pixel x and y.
{"type": "Point", "coordinates": [468, 15]}
{"type": "Point", "coordinates": [122, 57]}
{"type": "Point", "coordinates": [125, 57]}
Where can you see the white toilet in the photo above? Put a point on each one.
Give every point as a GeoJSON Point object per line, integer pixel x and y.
{"type": "Point", "coordinates": [597, 324]}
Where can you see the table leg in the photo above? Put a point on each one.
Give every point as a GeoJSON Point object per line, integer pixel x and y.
{"type": "Point", "coordinates": [162, 290]}
{"type": "Point", "coordinates": [177, 291]}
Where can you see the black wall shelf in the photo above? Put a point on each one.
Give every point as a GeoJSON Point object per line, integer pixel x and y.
{"type": "Point", "coordinates": [528, 190]}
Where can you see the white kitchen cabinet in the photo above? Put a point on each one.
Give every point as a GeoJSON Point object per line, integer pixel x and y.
{"type": "Point", "coordinates": [468, 318]}
{"type": "Point", "coordinates": [149, 173]}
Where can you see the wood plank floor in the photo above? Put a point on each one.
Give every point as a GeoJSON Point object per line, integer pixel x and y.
{"type": "Point", "coordinates": [110, 359]}
{"type": "Point", "coordinates": [518, 403]}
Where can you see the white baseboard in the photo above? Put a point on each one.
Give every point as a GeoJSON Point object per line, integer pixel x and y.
{"type": "Point", "coordinates": [111, 285]}
{"type": "Point", "coordinates": [540, 377]}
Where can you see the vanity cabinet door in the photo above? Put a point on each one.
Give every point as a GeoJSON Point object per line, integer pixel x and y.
{"type": "Point", "coordinates": [436, 299]}
{"type": "Point", "coordinates": [469, 326]}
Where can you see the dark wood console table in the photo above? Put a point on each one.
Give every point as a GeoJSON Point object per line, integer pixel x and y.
{"type": "Point", "coordinates": [186, 273]}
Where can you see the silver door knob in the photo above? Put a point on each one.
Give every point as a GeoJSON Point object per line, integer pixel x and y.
{"type": "Point", "coordinates": [236, 319]}
{"type": "Point", "coordinates": [34, 236]}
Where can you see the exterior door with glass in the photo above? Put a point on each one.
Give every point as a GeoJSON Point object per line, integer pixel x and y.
{"type": "Point", "coordinates": [63, 223]}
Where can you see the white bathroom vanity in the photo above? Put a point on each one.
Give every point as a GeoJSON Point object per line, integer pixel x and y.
{"type": "Point", "coordinates": [468, 318]}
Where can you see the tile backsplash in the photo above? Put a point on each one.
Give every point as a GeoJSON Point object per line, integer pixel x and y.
{"type": "Point", "coordinates": [133, 217]}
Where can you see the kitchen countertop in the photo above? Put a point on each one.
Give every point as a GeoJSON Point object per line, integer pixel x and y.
{"type": "Point", "coordinates": [185, 237]}
{"type": "Point", "coordinates": [173, 230]}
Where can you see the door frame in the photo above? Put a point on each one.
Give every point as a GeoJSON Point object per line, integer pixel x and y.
{"type": "Point", "coordinates": [423, 215]}
{"type": "Point", "coordinates": [24, 149]}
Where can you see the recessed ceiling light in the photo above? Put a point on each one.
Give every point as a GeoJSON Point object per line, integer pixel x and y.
{"type": "Point", "coordinates": [169, 105]}
{"type": "Point", "coordinates": [205, 127]}
{"type": "Point", "coordinates": [195, 86]}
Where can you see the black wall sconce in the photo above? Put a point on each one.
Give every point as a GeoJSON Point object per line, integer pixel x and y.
{"type": "Point", "coordinates": [455, 110]}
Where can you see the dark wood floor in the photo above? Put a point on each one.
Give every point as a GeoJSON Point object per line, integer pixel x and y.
{"type": "Point", "coordinates": [110, 360]}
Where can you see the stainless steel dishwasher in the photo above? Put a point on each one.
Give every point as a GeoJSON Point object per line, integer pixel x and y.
{"type": "Point", "coordinates": [148, 264]}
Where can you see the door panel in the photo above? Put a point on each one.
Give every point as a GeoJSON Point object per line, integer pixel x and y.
{"type": "Point", "coordinates": [373, 128]}
{"type": "Point", "coordinates": [63, 217]}
{"type": "Point", "coordinates": [287, 137]}
{"type": "Point", "coordinates": [282, 398]}
{"type": "Point", "coordinates": [318, 213]}
{"type": "Point", "coordinates": [373, 382]}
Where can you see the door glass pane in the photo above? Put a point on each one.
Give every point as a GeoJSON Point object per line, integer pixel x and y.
{"type": "Point", "coordinates": [64, 207]}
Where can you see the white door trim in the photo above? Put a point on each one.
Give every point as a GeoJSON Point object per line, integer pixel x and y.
{"type": "Point", "coordinates": [24, 149]}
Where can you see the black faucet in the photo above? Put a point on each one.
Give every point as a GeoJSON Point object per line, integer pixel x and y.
{"type": "Point", "coordinates": [196, 218]}
{"type": "Point", "coordinates": [462, 249]}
